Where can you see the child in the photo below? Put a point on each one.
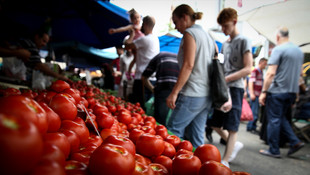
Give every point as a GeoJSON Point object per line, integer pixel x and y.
{"type": "Point", "coordinates": [135, 19]}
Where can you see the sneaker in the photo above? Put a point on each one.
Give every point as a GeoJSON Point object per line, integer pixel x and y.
{"type": "Point", "coordinates": [238, 146]}
{"type": "Point", "coordinates": [268, 153]}
{"type": "Point", "coordinates": [209, 134]}
{"type": "Point", "coordinates": [295, 148]}
{"type": "Point", "coordinates": [225, 163]}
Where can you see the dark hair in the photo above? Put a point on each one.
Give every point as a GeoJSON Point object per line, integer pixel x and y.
{"type": "Point", "coordinates": [149, 21]}
{"type": "Point", "coordinates": [283, 31]}
{"type": "Point", "coordinates": [262, 59]}
{"type": "Point", "coordinates": [132, 13]}
{"type": "Point", "coordinates": [227, 14]}
{"type": "Point", "coordinates": [185, 9]}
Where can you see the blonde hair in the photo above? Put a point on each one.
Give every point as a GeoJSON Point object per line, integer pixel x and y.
{"type": "Point", "coordinates": [185, 9]}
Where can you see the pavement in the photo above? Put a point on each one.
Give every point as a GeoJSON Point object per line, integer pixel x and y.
{"type": "Point", "coordinates": [250, 160]}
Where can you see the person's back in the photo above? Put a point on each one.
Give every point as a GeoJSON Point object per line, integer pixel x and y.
{"type": "Point", "coordinates": [289, 59]}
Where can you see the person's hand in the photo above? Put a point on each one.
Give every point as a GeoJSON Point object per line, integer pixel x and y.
{"type": "Point", "coordinates": [111, 31]}
{"type": "Point", "coordinates": [170, 100]}
{"type": "Point", "coordinates": [23, 54]}
{"type": "Point", "coordinates": [252, 96]}
{"type": "Point", "coordinates": [262, 98]}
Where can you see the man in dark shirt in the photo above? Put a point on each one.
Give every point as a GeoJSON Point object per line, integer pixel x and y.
{"type": "Point", "coordinates": [165, 65]}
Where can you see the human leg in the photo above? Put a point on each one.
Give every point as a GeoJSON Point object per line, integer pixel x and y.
{"type": "Point", "coordinates": [251, 126]}
{"type": "Point", "coordinates": [160, 108]}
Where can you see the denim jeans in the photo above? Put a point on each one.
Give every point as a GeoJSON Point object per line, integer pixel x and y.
{"type": "Point", "coordinates": [190, 113]}
{"type": "Point", "coordinates": [276, 108]}
{"type": "Point", "coordinates": [255, 108]}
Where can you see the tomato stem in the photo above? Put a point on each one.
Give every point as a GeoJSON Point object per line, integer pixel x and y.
{"type": "Point", "coordinates": [9, 123]}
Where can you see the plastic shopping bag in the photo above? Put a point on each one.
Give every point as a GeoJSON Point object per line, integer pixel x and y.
{"type": "Point", "coordinates": [246, 114]}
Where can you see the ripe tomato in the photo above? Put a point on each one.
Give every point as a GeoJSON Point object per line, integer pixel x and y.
{"type": "Point", "coordinates": [78, 126]}
{"type": "Point", "coordinates": [185, 164]}
{"type": "Point", "coordinates": [121, 141]}
{"type": "Point", "coordinates": [149, 145]}
{"type": "Point", "coordinates": [148, 129]}
{"type": "Point", "coordinates": [214, 167]}
{"type": "Point", "coordinates": [151, 119]}
{"type": "Point", "coordinates": [59, 86]}
{"type": "Point", "coordinates": [74, 93]}
{"type": "Point", "coordinates": [158, 169]}
{"type": "Point", "coordinates": [240, 173]}
{"type": "Point", "coordinates": [48, 167]}
{"type": "Point", "coordinates": [63, 106]}
{"type": "Point", "coordinates": [142, 169]}
{"type": "Point", "coordinates": [74, 167]}
{"type": "Point", "coordinates": [9, 91]}
{"type": "Point", "coordinates": [135, 134]}
{"type": "Point", "coordinates": [21, 106]}
{"type": "Point", "coordinates": [53, 153]}
{"type": "Point", "coordinates": [95, 139]}
{"type": "Point", "coordinates": [142, 159]}
{"type": "Point", "coordinates": [174, 140]}
{"type": "Point", "coordinates": [162, 131]}
{"type": "Point", "coordinates": [107, 132]}
{"type": "Point", "coordinates": [73, 139]}
{"type": "Point", "coordinates": [60, 140]}
{"type": "Point", "coordinates": [185, 144]}
{"type": "Point", "coordinates": [21, 145]}
{"type": "Point", "coordinates": [124, 116]}
{"type": "Point", "coordinates": [183, 151]}
{"type": "Point", "coordinates": [169, 150]}
{"type": "Point", "coordinates": [111, 159]}
{"type": "Point", "coordinates": [53, 119]}
{"type": "Point", "coordinates": [165, 161]}
{"type": "Point", "coordinates": [208, 152]}
{"type": "Point", "coordinates": [82, 156]}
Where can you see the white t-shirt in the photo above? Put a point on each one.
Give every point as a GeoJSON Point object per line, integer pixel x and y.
{"type": "Point", "coordinates": [147, 48]}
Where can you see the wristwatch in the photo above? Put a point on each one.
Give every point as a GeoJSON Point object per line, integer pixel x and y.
{"type": "Point", "coordinates": [264, 91]}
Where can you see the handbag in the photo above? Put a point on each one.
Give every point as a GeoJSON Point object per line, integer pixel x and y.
{"type": "Point", "coordinates": [219, 89]}
{"type": "Point", "coordinates": [246, 114]}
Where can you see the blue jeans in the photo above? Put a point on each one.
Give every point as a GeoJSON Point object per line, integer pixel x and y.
{"type": "Point", "coordinates": [255, 108]}
{"type": "Point", "coordinates": [276, 108]}
{"type": "Point", "coordinates": [190, 113]}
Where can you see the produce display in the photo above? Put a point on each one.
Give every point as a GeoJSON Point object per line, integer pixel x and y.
{"type": "Point", "coordinates": [76, 129]}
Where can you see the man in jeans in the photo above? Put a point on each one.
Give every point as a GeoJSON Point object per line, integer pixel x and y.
{"type": "Point", "coordinates": [255, 88]}
{"type": "Point", "coordinates": [279, 93]}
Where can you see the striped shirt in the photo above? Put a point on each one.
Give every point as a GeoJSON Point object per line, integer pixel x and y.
{"type": "Point", "coordinates": [257, 79]}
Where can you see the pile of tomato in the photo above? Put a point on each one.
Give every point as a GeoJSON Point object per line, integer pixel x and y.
{"type": "Point", "coordinates": [81, 130]}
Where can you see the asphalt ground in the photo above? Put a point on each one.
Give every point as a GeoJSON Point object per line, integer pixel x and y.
{"type": "Point", "coordinates": [250, 160]}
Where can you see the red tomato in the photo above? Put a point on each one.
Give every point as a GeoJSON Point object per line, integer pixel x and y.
{"type": "Point", "coordinates": [74, 167]}
{"type": "Point", "coordinates": [48, 167]}
{"type": "Point", "coordinates": [98, 109]}
{"type": "Point", "coordinates": [111, 159]}
{"type": "Point", "coordinates": [59, 85]}
{"type": "Point", "coordinates": [95, 139]}
{"type": "Point", "coordinates": [165, 161]}
{"type": "Point", "coordinates": [142, 159]}
{"type": "Point", "coordinates": [162, 131]}
{"type": "Point", "coordinates": [136, 115]}
{"type": "Point", "coordinates": [107, 132]}
{"type": "Point", "coordinates": [149, 145]}
{"type": "Point", "coordinates": [78, 126]}
{"type": "Point", "coordinates": [74, 93]}
{"type": "Point", "coordinates": [158, 169]}
{"type": "Point", "coordinates": [63, 106]}
{"type": "Point", "coordinates": [149, 123]}
{"type": "Point", "coordinates": [53, 119]}
{"type": "Point", "coordinates": [21, 106]}
{"type": "Point", "coordinates": [185, 144]}
{"type": "Point", "coordinates": [84, 102]}
{"type": "Point", "coordinates": [208, 152]}
{"type": "Point", "coordinates": [82, 156]}
{"type": "Point", "coordinates": [183, 151]}
{"type": "Point", "coordinates": [240, 173]}
{"type": "Point", "coordinates": [185, 164]}
{"type": "Point", "coordinates": [9, 91]}
{"type": "Point", "coordinates": [73, 139]}
{"type": "Point", "coordinates": [124, 116]}
{"type": "Point", "coordinates": [148, 129]}
{"type": "Point", "coordinates": [49, 95]}
{"type": "Point", "coordinates": [142, 169]}
{"type": "Point", "coordinates": [169, 150]}
{"type": "Point", "coordinates": [174, 140]}
{"type": "Point", "coordinates": [21, 145]}
{"type": "Point", "coordinates": [60, 140]}
{"type": "Point", "coordinates": [121, 141]}
{"type": "Point", "coordinates": [151, 119]}
{"type": "Point", "coordinates": [215, 168]}
{"type": "Point", "coordinates": [53, 153]}
{"type": "Point", "coordinates": [135, 134]}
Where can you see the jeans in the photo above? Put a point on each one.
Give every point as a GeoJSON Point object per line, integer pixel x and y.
{"type": "Point", "coordinates": [255, 108]}
{"type": "Point", "coordinates": [190, 113]}
{"type": "Point", "coordinates": [276, 108]}
{"type": "Point", "coordinates": [160, 108]}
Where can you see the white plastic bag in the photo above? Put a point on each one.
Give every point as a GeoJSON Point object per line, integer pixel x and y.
{"type": "Point", "coordinates": [14, 68]}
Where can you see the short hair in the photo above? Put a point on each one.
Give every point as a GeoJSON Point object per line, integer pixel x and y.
{"type": "Point", "coordinates": [283, 32]}
{"type": "Point", "coordinates": [185, 9]}
{"type": "Point", "coordinates": [227, 14]}
{"type": "Point", "coordinates": [261, 60]}
{"type": "Point", "coordinates": [149, 21]}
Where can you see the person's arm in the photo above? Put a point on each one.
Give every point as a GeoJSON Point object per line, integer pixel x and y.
{"type": "Point", "coordinates": [251, 85]}
{"type": "Point", "coordinates": [270, 74]}
{"type": "Point", "coordinates": [22, 54]}
{"type": "Point", "coordinates": [189, 48]}
{"type": "Point", "coordinates": [47, 71]}
{"type": "Point", "coordinates": [245, 71]}
{"type": "Point", "coordinates": [146, 82]}
{"type": "Point", "coordinates": [120, 29]}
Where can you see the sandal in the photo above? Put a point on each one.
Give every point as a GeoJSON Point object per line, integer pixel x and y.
{"type": "Point", "coordinates": [268, 153]}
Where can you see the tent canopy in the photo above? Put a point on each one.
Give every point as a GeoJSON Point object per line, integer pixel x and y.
{"type": "Point", "coordinates": [293, 14]}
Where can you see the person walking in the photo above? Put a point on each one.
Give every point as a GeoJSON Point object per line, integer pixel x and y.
{"type": "Point", "coordinates": [190, 98]}
{"type": "Point", "coordinates": [255, 89]}
{"type": "Point", "coordinates": [237, 64]}
{"type": "Point", "coordinates": [279, 92]}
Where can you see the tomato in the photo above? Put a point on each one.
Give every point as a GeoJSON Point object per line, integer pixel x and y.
{"type": "Point", "coordinates": [53, 119]}
{"type": "Point", "coordinates": [183, 151]}
{"type": "Point", "coordinates": [149, 123]}
{"type": "Point", "coordinates": [208, 152]}
{"type": "Point", "coordinates": [48, 167]}
{"type": "Point", "coordinates": [53, 153]}
{"type": "Point", "coordinates": [28, 93]}
{"type": "Point", "coordinates": [9, 91]}
{"type": "Point", "coordinates": [60, 140]}
{"type": "Point", "coordinates": [165, 161]}
{"type": "Point", "coordinates": [49, 95]}
{"type": "Point", "coordinates": [82, 156]}
{"type": "Point", "coordinates": [95, 139]}
{"type": "Point", "coordinates": [169, 150]}
{"type": "Point", "coordinates": [121, 141]}
{"type": "Point", "coordinates": [185, 144]}
{"type": "Point", "coordinates": [98, 109]}
{"type": "Point", "coordinates": [185, 164]}
{"type": "Point", "coordinates": [74, 167]}
{"type": "Point", "coordinates": [63, 106]}
{"type": "Point", "coordinates": [135, 134]}
{"type": "Point", "coordinates": [142, 159]}
{"type": "Point", "coordinates": [74, 93]}
{"type": "Point", "coordinates": [84, 102]}
{"type": "Point", "coordinates": [104, 120]}
{"type": "Point", "coordinates": [91, 122]}
{"type": "Point", "coordinates": [158, 169]}
{"type": "Point", "coordinates": [214, 167]}
{"type": "Point", "coordinates": [151, 119]}
{"type": "Point", "coordinates": [148, 129]}
{"type": "Point", "coordinates": [174, 140]}
{"type": "Point", "coordinates": [240, 173]}
{"type": "Point", "coordinates": [21, 145]}
{"type": "Point", "coordinates": [111, 159]}
{"type": "Point", "coordinates": [59, 85]}
{"type": "Point", "coordinates": [107, 132]}
{"type": "Point", "coordinates": [142, 169]}
{"type": "Point", "coordinates": [21, 106]}
{"type": "Point", "coordinates": [149, 145]}
{"type": "Point", "coordinates": [136, 115]}
{"type": "Point", "coordinates": [112, 108]}
{"type": "Point", "coordinates": [73, 139]}
{"type": "Point", "coordinates": [162, 131]}
{"type": "Point", "coordinates": [78, 126]}
{"type": "Point", "coordinates": [124, 116]}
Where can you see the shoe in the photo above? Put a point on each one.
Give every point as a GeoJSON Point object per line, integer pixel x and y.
{"type": "Point", "coordinates": [209, 134]}
{"type": "Point", "coordinates": [255, 132]}
{"type": "Point", "coordinates": [222, 141]}
{"type": "Point", "coordinates": [295, 148]}
{"type": "Point", "coordinates": [268, 153]}
{"type": "Point", "coordinates": [225, 163]}
{"type": "Point", "coordinates": [238, 146]}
